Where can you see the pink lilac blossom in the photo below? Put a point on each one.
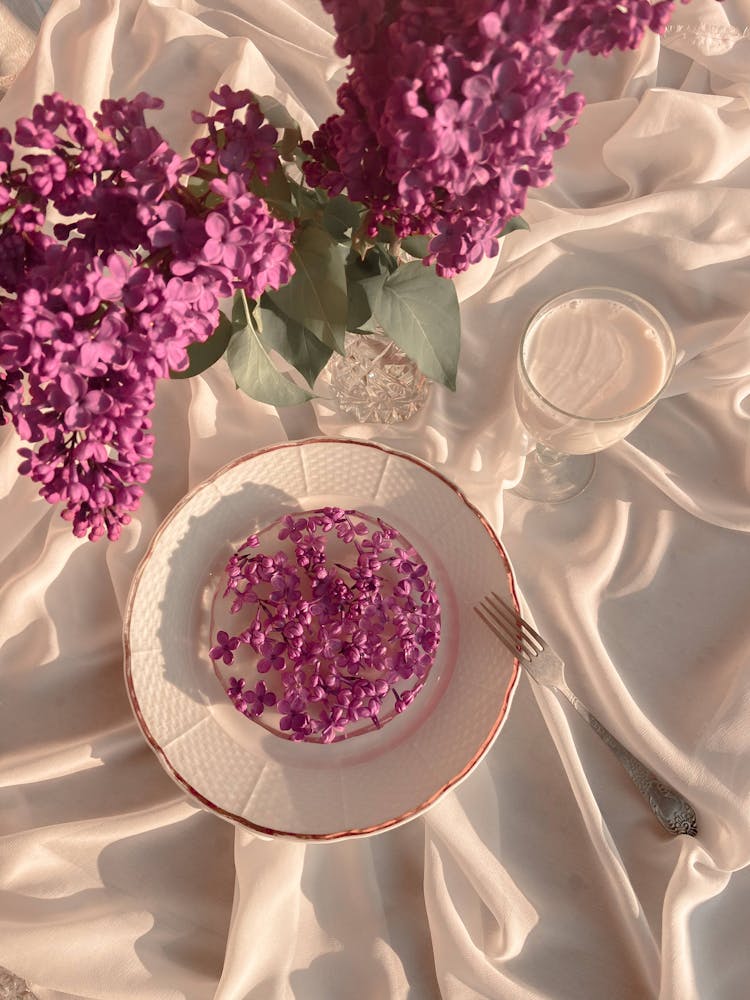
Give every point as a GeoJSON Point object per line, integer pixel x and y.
{"type": "Point", "coordinates": [452, 109]}
{"type": "Point", "coordinates": [92, 318]}
{"type": "Point", "coordinates": [600, 27]}
{"type": "Point", "coordinates": [335, 638]}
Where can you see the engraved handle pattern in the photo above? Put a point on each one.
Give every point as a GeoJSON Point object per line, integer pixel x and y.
{"type": "Point", "coordinates": [673, 811]}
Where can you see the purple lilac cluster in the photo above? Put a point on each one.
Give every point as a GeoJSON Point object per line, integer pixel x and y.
{"type": "Point", "coordinates": [92, 316]}
{"type": "Point", "coordinates": [334, 639]}
{"type": "Point", "coordinates": [452, 109]}
{"type": "Point", "coordinates": [598, 27]}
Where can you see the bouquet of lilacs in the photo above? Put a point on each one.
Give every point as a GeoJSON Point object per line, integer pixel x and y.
{"type": "Point", "coordinates": [116, 252]}
{"type": "Point", "coordinates": [94, 311]}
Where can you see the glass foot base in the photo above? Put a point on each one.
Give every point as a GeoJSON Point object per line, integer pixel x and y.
{"type": "Point", "coordinates": [550, 477]}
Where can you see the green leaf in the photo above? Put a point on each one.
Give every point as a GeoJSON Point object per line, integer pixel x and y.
{"type": "Point", "coordinates": [277, 191]}
{"type": "Point", "coordinates": [294, 343]}
{"type": "Point", "coordinates": [7, 214]}
{"type": "Point", "coordinates": [419, 312]}
{"type": "Point", "coordinates": [358, 268]}
{"type": "Point", "coordinates": [316, 294]}
{"type": "Point", "coordinates": [359, 316]}
{"type": "Point", "coordinates": [278, 116]}
{"type": "Point", "coordinates": [198, 186]}
{"type": "Point", "coordinates": [515, 223]}
{"type": "Point", "coordinates": [389, 262]}
{"type": "Point", "coordinates": [386, 234]}
{"type": "Point", "coordinates": [308, 202]}
{"type": "Point", "coordinates": [340, 215]}
{"type": "Point", "coordinates": [289, 143]}
{"type": "Point", "coordinates": [275, 113]}
{"type": "Point", "coordinates": [253, 370]}
{"type": "Point", "coordinates": [416, 246]}
{"type": "Point", "coordinates": [202, 356]}
{"type": "Point", "coordinates": [213, 200]}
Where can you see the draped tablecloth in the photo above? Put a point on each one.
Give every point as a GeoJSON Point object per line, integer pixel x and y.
{"type": "Point", "coordinates": [543, 875]}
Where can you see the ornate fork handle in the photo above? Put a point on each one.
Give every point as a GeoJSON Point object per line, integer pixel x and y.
{"type": "Point", "coordinates": [673, 811]}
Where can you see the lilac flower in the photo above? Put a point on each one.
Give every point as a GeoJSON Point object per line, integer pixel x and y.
{"type": "Point", "coordinates": [270, 662]}
{"type": "Point", "coordinates": [224, 648]}
{"type": "Point", "coordinates": [332, 722]}
{"type": "Point", "coordinates": [6, 150]}
{"type": "Point", "coordinates": [119, 116]}
{"type": "Point", "coordinates": [171, 227]}
{"type": "Point", "coordinates": [294, 719]}
{"type": "Point", "coordinates": [93, 420]}
{"type": "Point", "coordinates": [247, 145]}
{"type": "Point", "coordinates": [448, 117]}
{"type": "Point", "coordinates": [257, 698]}
{"type": "Point", "coordinates": [292, 527]}
{"type": "Point", "coordinates": [254, 635]}
{"type": "Point", "coordinates": [405, 699]}
{"type": "Point", "coordinates": [224, 242]}
{"type": "Point", "coordinates": [340, 653]}
{"type": "Point", "coordinates": [250, 247]}
{"type": "Point", "coordinates": [66, 172]}
{"type": "Point", "coordinates": [598, 28]}
{"type": "Point", "coordinates": [235, 691]}
{"type": "Point", "coordinates": [91, 318]}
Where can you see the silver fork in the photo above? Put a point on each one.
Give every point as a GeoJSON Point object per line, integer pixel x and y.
{"type": "Point", "coordinates": [544, 665]}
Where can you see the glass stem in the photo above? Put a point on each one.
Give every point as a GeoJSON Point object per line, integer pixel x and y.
{"type": "Point", "coordinates": [548, 456]}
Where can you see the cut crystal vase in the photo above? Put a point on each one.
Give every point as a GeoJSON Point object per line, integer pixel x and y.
{"type": "Point", "coordinates": [375, 381]}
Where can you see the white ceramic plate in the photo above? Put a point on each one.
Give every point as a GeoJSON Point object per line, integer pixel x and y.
{"type": "Point", "coordinates": [310, 791]}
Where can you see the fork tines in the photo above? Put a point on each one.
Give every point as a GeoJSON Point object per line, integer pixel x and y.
{"type": "Point", "coordinates": [510, 628]}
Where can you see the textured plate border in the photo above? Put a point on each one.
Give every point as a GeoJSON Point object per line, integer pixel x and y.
{"type": "Point", "coordinates": [241, 820]}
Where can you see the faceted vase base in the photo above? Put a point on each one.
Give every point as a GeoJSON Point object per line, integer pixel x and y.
{"type": "Point", "coordinates": [550, 477]}
{"type": "Point", "coordinates": [375, 381]}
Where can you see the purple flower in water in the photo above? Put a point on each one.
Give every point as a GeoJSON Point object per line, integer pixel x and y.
{"type": "Point", "coordinates": [331, 723]}
{"type": "Point", "coordinates": [224, 648]}
{"type": "Point", "coordinates": [405, 698]}
{"type": "Point", "coordinates": [257, 698]}
{"type": "Point", "coordinates": [339, 652]}
{"type": "Point", "coordinates": [294, 718]}
{"type": "Point", "coordinates": [292, 527]}
{"type": "Point", "coordinates": [254, 635]}
{"type": "Point", "coordinates": [285, 588]}
{"type": "Point", "coordinates": [235, 691]}
{"type": "Point", "coordinates": [270, 662]}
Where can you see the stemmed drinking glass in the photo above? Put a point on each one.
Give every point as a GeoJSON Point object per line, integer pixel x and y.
{"type": "Point", "coordinates": [591, 364]}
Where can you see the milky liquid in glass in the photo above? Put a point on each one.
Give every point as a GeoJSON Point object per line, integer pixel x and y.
{"type": "Point", "coordinates": [594, 366]}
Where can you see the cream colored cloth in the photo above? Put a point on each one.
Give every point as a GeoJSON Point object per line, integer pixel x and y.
{"type": "Point", "coordinates": [16, 45]}
{"type": "Point", "coordinates": [544, 875]}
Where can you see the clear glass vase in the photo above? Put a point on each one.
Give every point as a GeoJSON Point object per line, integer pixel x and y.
{"type": "Point", "coordinates": [375, 381]}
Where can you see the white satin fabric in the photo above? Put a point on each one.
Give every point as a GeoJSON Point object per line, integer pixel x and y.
{"type": "Point", "coordinates": [544, 875]}
{"type": "Point", "coordinates": [16, 45]}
